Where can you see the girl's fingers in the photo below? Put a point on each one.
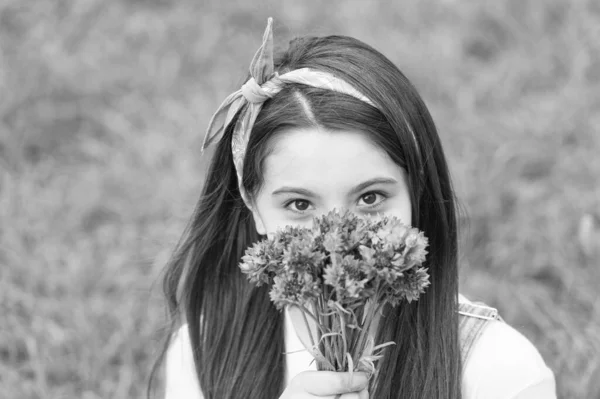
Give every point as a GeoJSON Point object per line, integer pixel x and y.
{"type": "Point", "coordinates": [364, 394]}
{"type": "Point", "coordinates": [331, 383]}
{"type": "Point", "coordinates": [350, 395]}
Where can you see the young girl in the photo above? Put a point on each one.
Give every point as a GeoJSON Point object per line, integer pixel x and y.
{"type": "Point", "coordinates": [330, 123]}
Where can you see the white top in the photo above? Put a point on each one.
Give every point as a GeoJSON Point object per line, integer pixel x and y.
{"type": "Point", "coordinates": [503, 364]}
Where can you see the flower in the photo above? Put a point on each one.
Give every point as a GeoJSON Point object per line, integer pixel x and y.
{"type": "Point", "coordinates": [409, 286]}
{"type": "Point", "coordinates": [392, 233]}
{"type": "Point", "coordinates": [294, 288]}
{"type": "Point", "coordinates": [332, 241]}
{"type": "Point", "coordinates": [261, 261]}
{"type": "Point", "coordinates": [300, 254]}
{"type": "Point", "coordinates": [415, 252]}
{"type": "Point", "coordinates": [339, 232]}
{"type": "Point", "coordinates": [346, 267]}
{"type": "Point", "coordinates": [347, 276]}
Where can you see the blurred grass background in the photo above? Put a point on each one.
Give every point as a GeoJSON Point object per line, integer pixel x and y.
{"type": "Point", "coordinates": [103, 106]}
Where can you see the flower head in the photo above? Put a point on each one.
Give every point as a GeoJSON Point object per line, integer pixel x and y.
{"type": "Point", "coordinates": [339, 231]}
{"type": "Point", "coordinates": [262, 261]}
{"type": "Point", "coordinates": [409, 286]}
{"type": "Point", "coordinates": [300, 255]}
{"type": "Point", "coordinates": [347, 276]}
{"type": "Point", "coordinates": [294, 288]}
{"type": "Point", "coordinates": [357, 258]}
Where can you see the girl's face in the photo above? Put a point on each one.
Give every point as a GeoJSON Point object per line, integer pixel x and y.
{"type": "Point", "coordinates": [311, 171]}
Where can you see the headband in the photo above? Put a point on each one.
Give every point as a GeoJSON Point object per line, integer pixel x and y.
{"type": "Point", "coordinates": [263, 84]}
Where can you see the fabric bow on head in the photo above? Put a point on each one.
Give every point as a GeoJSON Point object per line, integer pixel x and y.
{"type": "Point", "coordinates": [251, 94]}
{"type": "Point", "coordinates": [263, 84]}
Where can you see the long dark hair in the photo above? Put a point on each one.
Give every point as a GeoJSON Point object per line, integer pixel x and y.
{"type": "Point", "coordinates": [236, 333]}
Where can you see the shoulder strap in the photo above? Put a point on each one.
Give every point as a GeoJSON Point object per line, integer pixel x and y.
{"type": "Point", "coordinates": [472, 320]}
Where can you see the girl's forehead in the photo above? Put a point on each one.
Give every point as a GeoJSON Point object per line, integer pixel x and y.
{"type": "Point", "coordinates": [316, 157]}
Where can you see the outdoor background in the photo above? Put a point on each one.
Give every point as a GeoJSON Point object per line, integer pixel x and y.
{"type": "Point", "coordinates": [103, 107]}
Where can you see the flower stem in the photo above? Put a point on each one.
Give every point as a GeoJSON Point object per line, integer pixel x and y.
{"type": "Point", "coordinates": [344, 341]}
{"type": "Point", "coordinates": [312, 316]}
{"type": "Point", "coordinates": [324, 328]}
{"type": "Point", "coordinates": [338, 355]}
{"type": "Point", "coordinates": [310, 335]}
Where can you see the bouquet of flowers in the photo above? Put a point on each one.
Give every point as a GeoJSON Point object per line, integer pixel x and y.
{"type": "Point", "coordinates": [341, 273]}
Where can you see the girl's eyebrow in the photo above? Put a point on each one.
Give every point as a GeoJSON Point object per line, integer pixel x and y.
{"type": "Point", "coordinates": [356, 189]}
{"type": "Point", "coordinates": [294, 190]}
{"type": "Point", "coordinates": [371, 182]}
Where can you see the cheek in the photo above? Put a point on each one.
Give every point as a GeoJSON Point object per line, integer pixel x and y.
{"type": "Point", "coordinates": [406, 215]}
{"type": "Point", "coordinates": [275, 220]}
{"type": "Point", "coordinates": [406, 211]}
{"type": "Point", "coordinates": [401, 208]}
{"type": "Point", "coordinates": [273, 217]}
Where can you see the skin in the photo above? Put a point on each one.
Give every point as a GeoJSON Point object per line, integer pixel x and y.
{"type": "Point", "coordinates": [308, 173]}
{"type": "Point", "coordinates": [311, 171]}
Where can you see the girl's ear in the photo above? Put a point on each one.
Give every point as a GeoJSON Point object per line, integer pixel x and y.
{"type": "Point", "coordinates": [260, 226]}
{"type": "Point", "coordinates": [258, 222]}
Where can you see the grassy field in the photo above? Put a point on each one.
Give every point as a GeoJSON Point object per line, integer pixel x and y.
{"type": "Point", "coordinates": [103, 106]}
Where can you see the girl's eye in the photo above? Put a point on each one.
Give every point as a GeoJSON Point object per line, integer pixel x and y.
{"type": "Point", "coordinates": [301, 205]}
{"type": "Point", "coordinates": [298, 205]}
{"type": "Point", "coordinates": [371, 199]}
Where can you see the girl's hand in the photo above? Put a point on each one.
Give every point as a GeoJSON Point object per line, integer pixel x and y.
{"type": "Point", "coordinates": [327, 384]}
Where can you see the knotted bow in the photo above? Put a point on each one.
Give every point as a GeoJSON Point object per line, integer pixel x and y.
{"type": "Point", "coordinates": [263, 84]}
